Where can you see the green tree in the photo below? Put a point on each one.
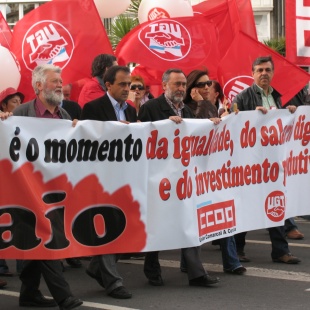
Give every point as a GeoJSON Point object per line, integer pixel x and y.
{"type": "Point", "coordinates": [123, 23]}
{"type": "Point", "coordinates": [276, 44]}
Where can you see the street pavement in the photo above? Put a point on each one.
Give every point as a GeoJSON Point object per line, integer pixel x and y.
{"type": "Point", "coordinates": [266, 285]}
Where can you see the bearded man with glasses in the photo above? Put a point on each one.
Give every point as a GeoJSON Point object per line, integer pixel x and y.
{"type": "Point", "coordinates": [170, 105]}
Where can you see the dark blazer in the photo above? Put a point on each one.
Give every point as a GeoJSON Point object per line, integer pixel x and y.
{"type": "Point", "coordinates": [73, 108]}
{"type": "Point", "coordinates": [101, 109]}
{"type": "Point", "coordinates": [158, 109]}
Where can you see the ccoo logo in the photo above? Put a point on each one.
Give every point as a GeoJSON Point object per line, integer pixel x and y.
{"type": "Point", "coordinates": [47, 42]}
{"type": "Point", "coordinates": [167, 39]}
{"type": "Point", "coordinates": [275, 206]}
{"type": "Point", "coordinates": [236, 85]}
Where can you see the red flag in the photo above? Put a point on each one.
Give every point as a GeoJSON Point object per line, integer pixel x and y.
{"type": "Point", "coordinates": [235, 69]}
{"type": "Point", "coordinates": [67, 33]}
{"type": "Point", "coordinates": [297, 31]}
{"type": "Point", "coordinates": [246, 17]}
{"type": "Point", "coordinates": [228, 17]}
{"type": "Point", "coordinates": [5, 33]}
{"type": "Point", "coordinates": [186, 42]}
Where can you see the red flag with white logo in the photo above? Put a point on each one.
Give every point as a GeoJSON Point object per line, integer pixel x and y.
{"type": "Point", "coordinates": [186, 42]}
{"type": "Point", "coordinates": [235, 69]}
{"type": "Point", "coordinates": [67, 33]}
{"type": "Point", "coordinates": [5, 33]}
{"type": "Point", "coordinates": [297, 31]}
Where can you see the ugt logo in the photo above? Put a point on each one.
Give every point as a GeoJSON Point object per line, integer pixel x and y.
{"type": "Point", "coordinates": [47, 42]}
{"type": "Point", "coordinates": [275, 206]}
{"type": "Point", "coordinates": [236, 85]}
{"type": "Point", "coordinates": [157, 13]}
{"type": "Point", "coordinates": [167, 39]}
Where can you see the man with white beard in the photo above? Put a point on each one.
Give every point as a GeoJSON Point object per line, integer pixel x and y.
{"type": "Point", "coordinates": [47, 84]}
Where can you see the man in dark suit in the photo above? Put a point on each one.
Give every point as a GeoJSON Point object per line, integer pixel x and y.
{"type": "Point", "coordinates": [111, 107]}
{"type": "Point", "coordinates": [47, 83]}
{"type": "Point", "coordinates": [170, 106]}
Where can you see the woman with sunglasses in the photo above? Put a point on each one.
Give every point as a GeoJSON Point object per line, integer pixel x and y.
{"type": "Point", "coordinates": [137, 92]}
{"type": "Point", "coordinates": [202, 96]}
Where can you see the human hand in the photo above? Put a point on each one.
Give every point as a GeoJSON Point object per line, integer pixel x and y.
{"type": "Point", "coordinates": [176, 119]}
{"type": "Point", "coordinates": [262, 109]}
{"type": "Point", "coordinates": [235, 108]}
{"type": "Point", "coordinates": [74, 122]}
{"type": "Point", "coordinates": [195, 94]}
{"type": "Point", "coordinates": [225, 113]}
{"type": "Point", "coordinates": [215, 120]}
{"type": "Point", "coordinates": [5, 115]}
{"type": "Point", "coordinates": [292, 108]}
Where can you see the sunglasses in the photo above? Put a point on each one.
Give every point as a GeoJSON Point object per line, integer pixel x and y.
{"type": "Point", "coordinates": [134, 86]}
{"type": "Point", "coordinates": [203, 84]}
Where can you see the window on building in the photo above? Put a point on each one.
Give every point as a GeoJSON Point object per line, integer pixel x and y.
{"type": "Point", "coordinates": [262, 22]}
{"type": "Point", "coordinates": [13, 11]}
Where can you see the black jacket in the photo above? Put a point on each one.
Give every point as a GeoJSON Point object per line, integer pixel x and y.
{"type": "Point", "coordinates": [251, 97]}
{"type": "Point", "coordinates": [73, 108]}
{"type": "Point", "coordinates": [158, 109]}
{"type": "Point", "coordinates": [101, 109]}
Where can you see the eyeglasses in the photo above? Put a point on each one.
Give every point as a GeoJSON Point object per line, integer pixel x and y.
{"type": "Point", "coordinates": [203, 84]}
{"type": "Point", "coordinates": [261, 70]}
{"type": "Point", "coordinates": [134, 86]}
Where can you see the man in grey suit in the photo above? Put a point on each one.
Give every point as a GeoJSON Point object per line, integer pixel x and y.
{"type": "Point", "coordinates": [170, 106]}
{"type": "Point", "coordinates": [111, 107]}
{"type": "Point", "coordinates": [47, 84]}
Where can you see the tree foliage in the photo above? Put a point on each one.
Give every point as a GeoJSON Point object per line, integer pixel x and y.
{"type": "Point", "coordinates": [123, 23]}
{"type": "Point", "coordinates": [276, 44]}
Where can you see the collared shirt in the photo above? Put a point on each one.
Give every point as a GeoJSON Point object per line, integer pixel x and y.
{"type": "Point", "coordinates": [177, 111]}
{"type": "Point", "coordinates": [119, 109]}
{"type": "Point", "coordinates": [268, 101]}
{"type": "Point", "coordinates": [42, 112]}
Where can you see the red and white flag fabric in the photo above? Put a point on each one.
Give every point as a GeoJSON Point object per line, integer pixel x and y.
{"type": "Point", "coordinates": [185, 42]}
{"type": "Point", "coordinates": [297, 31]}
{"type": "Point", "coordinates": [5, 33]}
{"type": "Point", "coordinates": [235, 69]}
{"type": "Point", "coordinates": [225, 17]}
{"type": "Point", "coordinates": [228, 17]}
{"type": "Point", "coordinates": [66, 33]}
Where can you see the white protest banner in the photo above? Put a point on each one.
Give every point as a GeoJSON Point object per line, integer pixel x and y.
{"type": "Point", "coordinates": [108, 187]}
